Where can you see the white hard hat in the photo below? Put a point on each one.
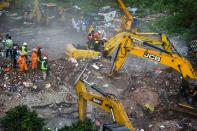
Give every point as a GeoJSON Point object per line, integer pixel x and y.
{"type": "Point", "coordinates": [104, 38]}
{"type": "Point", "coordinates": [45, 58]}
{"type": "Point", "coordinates": [34, 49]}
{"type": "Point", "coordinates": [99, 32]}
{"type": "Point", "coordinates": [24, 43]}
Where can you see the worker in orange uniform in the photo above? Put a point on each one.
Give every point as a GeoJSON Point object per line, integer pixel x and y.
{"type": "Point", "coordinates": [34, 59]}
{"type": "Point", "coordinates": [22, 62]}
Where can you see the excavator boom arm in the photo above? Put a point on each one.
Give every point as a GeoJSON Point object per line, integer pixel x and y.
{"type": "Point", "coordinates": [104, 102]}
{"type": "Point", "coordinates": [175, 61]}
{"type": "Point", "coordinates": [125, 10]}
{"type": "Point", "coordinates": [113, 43]}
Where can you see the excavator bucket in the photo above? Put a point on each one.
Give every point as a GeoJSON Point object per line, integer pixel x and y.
{"type": "Point", "coordinates": [71, 51]}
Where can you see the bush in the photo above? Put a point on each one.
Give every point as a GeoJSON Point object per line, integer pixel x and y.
{"type": "Point", "coordinates": [21, 118]}
{"type": "Point", "coordinates": [80, 126]}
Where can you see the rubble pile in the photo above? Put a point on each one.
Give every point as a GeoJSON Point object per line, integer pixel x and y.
{"type": "Point", "coordinates": [147, 95]}
{"type": "Point", "coordinates": [144, 94]}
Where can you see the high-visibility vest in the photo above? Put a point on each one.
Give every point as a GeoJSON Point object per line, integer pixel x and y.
{"type": "Point", "coordinates": [24, 50]}
{"type": "Point", "coordinates": [43, 65]}
{"type": "Point", "coordinates": [9, 43]}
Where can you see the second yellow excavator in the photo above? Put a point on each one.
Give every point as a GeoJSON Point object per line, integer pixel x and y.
{"type": "Point", "coordinates": [106, 101]}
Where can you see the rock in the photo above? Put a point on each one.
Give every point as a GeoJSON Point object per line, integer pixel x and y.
{"type": "Point", "coordinates": [106, 85]}
{"type": "Point", "coordinates": [95, 66]}
{"type": "Point", "coordinates": [35, 87]}
{"type": "Point", "coordinates": [149, 106]}
{"type": "Point", "coordinates": [48, 85]}
{"type": "Point", "coordinates": [162, 127]}
{"type": "Point", "coordinates": [28, 84]}
{"type": "Point", "coordinates": [13, 88]}
{"type": "Point", "coordinates": [99, 77]}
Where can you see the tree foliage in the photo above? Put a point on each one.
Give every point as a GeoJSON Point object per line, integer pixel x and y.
{"type": "Point", "coordinates": [21, 118]}
{"type": "Point", "coordinates": [182, 14]}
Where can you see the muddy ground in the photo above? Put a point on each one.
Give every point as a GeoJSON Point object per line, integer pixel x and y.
{"type": "Point", "coordinates": [54, 99]}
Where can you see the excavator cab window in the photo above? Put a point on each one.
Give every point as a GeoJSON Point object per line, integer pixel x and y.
{"type": "Point", "coordinates": [188, 91]}
{"type": "Point", "coordinates": [114, 127]}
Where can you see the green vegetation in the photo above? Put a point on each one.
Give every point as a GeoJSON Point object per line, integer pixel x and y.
{"type": "Point", "coordinates": [181, 15]}
{"type": "Point", "coordinates": [21, 118]}
{"type": "Point", "coordinates": [80, 126]}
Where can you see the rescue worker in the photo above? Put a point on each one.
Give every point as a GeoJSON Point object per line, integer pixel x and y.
{"type": "Point", "coordinates": [8, 46]}
{"type": "Point", "coordinates": [97, 35]}
{"type": "Point", "coordinates": [34, 59]}
{"type": "Point", "coordinates": [39, 54]}
{"type": "Point", "coordinates": [97, 45]}
{"type": "Point", "coordinates": [24, 50]}
{"type": "Point", "coordinates": [22, 62]}
{"type": "Point", "coordinates": [15, 54]}
{"type": "Point", "coordinates": [44, 67]}
{"type": "Point", "coordinates": [192, 95]}
{"type": "Point", "coordinates": [91, 28]}
{"type": "Point", "coordinates": [91, 40]}
{"type": "Point", "coordinates": [91, 35]}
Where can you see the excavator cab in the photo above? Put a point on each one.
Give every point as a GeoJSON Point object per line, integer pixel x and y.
{"type": "Point", "coordinates": [4, 4]}
{"type": "Point", "coordinates": [188, 94]}
{"type": "Point", "coordinates": [114, 127]}
{"type": "Point", "coordinates": [49, 11]}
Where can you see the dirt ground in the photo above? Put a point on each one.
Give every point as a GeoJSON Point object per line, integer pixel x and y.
{"type": "Point", "coordinates": [55, 100]}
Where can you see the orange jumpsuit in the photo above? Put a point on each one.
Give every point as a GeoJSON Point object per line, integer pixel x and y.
{"type": "Point", "coordinates": [22, 63]}
{"type": "Point", "coordinates": [34, 59]}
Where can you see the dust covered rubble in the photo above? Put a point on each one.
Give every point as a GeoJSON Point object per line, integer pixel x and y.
{"type": "Point", "coordinates": [16, 87]}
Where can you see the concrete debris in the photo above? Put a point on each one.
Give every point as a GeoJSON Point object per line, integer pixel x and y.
{"type": "Point", "coordinates": [28, 84]}
{"type": "Point", "coordinates": [146, 85]}
{"type": "Point", "coordinates": [95, 66]}
{"type": "Point", "coordinates": [162, 127]}
{"type": "Point", "coordinates": [149, 106]}
{"type": "Point", "coordinates": [48, 85]}
{"type": "Point", "coordinates": [13, 88]}
{"type": "Point", "coordinates": [73, 61]}
{"type": "Point", "coordinates": [106, 85]}
{"type": "Point", "coordinates": [35, 87]}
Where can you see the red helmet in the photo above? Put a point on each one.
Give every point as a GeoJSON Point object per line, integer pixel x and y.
{"type": "Point", "coordinates": [39, 46]}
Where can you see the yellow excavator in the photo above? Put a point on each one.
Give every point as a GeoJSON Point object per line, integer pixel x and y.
{"type": "Point", "coordinates": [127, 43]}
{"type": "Point", "coordinates": [47, 12]}
{"type": "Point", "coordinates": [103, 100]}
{"type": "Point", "coordinates": [4, 4]}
